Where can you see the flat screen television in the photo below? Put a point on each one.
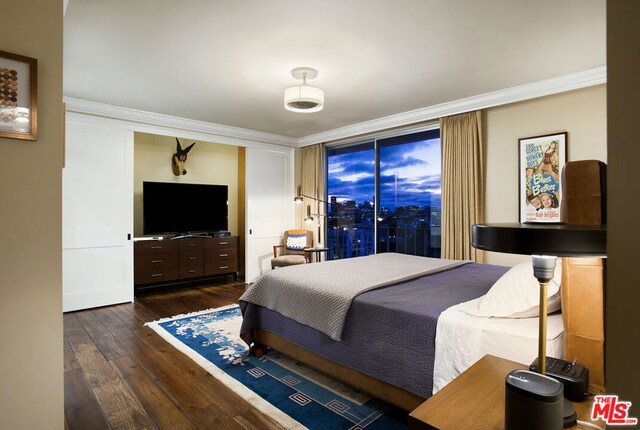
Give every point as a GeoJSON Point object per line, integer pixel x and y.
{"type": "Point", "coordinates": [184, 208]}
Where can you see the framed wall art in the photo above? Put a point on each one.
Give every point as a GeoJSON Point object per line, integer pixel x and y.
{"type": "Point", "coordinates": [18, 96]}
{"type": "Point", "coordinates": [540, 162]}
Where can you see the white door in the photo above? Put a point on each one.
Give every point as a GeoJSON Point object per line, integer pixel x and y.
{"type": "Point", "coordinates": [97, 214]}
{"type": "Point", "coordinates": [269, 206]}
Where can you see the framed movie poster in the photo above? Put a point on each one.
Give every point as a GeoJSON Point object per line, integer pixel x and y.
{"type": "Point", "coordinates": [541, 161]}
{"type": "Point", "coordinates": [18, 96]}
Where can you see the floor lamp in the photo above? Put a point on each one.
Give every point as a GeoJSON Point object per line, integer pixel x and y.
{"type": "Point", "coordinates": [299, 198]}
{"type": "Point", "coordinates": [544, 242]}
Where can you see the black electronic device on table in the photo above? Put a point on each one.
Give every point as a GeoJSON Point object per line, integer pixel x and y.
{"type": "Point", "coordinates": [574, 376]}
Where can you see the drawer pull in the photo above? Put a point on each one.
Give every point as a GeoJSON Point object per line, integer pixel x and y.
{"type": "Point", "coordinates": [192, 271]}
{"type": "Point", "coordinates": [155, 275]}
{"type": "Point", "coordinates": [224, 255]}
{"type": "Point", "coordinates": [156, 247]}
{"type": "Point", "coordinates": [156, 261]}
{"type": "Point", "coordinates": [192, 244]}
{"type": "Point", "coordinates": [224, 267]}
{"type": "Point", "coordinates": [192, 258]}
{"type": "Point", "coordinates": [223, 243]}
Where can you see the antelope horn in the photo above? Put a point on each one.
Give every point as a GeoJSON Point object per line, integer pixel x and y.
{"type": "Point", "coordinates": [188, 148]}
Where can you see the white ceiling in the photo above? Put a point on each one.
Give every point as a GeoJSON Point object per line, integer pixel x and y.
{"type": "Point", "coordinates": [228, 61]}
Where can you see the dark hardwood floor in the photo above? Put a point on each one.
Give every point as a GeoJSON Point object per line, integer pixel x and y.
{"type": "Point", "coordinates": [119, 374]}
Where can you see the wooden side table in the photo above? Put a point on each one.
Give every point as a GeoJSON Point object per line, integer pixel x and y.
{"type": "Point", "coordinates": [475, 400]}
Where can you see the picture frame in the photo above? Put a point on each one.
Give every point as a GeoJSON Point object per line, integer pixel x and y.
{"type": "Point", "coordinates": [540, 164]}
{"type": "Point", "coordinates": [18, 96]}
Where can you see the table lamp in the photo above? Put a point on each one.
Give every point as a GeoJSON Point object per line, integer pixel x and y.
{"type": "Point", "coordinates": [544, 242]}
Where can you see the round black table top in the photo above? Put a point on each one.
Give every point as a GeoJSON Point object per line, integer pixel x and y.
{"type": "Point", "coordinates": [561, 240]}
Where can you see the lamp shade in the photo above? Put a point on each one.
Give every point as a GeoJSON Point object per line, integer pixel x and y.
{"type": "Point", "coordinates": [560, 240]}
{"type": "Point", "coordinates": [309, 218]}
{"type": "Point", "coordinates": [303, 98]}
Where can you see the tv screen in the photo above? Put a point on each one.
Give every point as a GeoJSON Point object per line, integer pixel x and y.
{"type": "Point", "coordinates": [183, 208]}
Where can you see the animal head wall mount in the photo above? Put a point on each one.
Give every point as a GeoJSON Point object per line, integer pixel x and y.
{"type": "Point", "coordinates": [179, 159]}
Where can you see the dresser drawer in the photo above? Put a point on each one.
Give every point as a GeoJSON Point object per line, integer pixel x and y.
{"type": "Point", "coordinates": [156, 260]}
{"type": "Point", "coordinates": [220, 267]}
{"type": "Point", "coordinates": [191, 257]}
{"type": "Point", "coordinates": [220, 255]}
{"type": "Point", "coordinates": [190, 245]}
{"type": "Point", "coordinates": [155, 247]}
{"type": "Point", "coordinates": [221, 242]}
{"type": "Point", "coordinates": [148, 275]}
{"type": "Point", "coordinates": [191, 271]}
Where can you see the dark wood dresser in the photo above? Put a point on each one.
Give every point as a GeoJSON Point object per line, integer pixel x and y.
{"type": "Point", "coordinates": [176, 261]}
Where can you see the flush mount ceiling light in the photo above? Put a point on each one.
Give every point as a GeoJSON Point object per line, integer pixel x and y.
{"type": "Point", "coordinates": [304, 98]}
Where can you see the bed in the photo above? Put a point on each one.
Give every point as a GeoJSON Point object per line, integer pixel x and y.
{"type": "Point", "coordinates": [406, 338]}
{"type": "Point", "coordinates": [389, 342]}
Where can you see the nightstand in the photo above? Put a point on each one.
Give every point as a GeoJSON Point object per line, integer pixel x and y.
{"type": "Point", "coordinates": [475, 400]}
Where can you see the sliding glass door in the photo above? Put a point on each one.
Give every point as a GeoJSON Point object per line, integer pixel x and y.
{"type": "Point", "coordinates": [351, 191]}
{"type": "Point", "coordinates": [385, 196]}
{"type": "Point", "coordinates": [409, 188]}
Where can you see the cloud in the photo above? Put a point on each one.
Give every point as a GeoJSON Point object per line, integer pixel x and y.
{"type": "Point", "coordinates": [401, 162]}
{"type": "Point", "coordinates": [417, 165]}
{"type": "Point", "coordinates": [359, 190]}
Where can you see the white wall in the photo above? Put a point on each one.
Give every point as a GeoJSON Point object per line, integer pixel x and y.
{"type": "Point", "coordinates": [582, 113]}
{"type": "Point", "coordinates": [31, 339]}
{"type": "Point", "coordinates": [207, 163]}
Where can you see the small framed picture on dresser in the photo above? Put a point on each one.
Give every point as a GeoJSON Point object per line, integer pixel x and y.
{"type": "Point", "coordinates": [18, 96]}
{"type": "Point", "coordinates": [540, 162]}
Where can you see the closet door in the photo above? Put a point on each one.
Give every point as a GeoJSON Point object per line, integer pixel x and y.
{"type": "Point", "coordinates": [97, 213]}
{"type": "Point", "coordinates": [269, 206]}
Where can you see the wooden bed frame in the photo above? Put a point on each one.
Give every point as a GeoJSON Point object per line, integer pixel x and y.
{"type": "Point", "coordinates": [582, 299]}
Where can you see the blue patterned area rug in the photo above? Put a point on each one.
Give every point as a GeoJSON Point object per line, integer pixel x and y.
{"type": "Point", "coordinates": [287, 391]}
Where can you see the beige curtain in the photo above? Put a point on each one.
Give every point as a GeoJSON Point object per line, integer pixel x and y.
{"type": "Point", "coordinates": [312, 161]}
{"type": "Point", "coordinates": [462, 184]}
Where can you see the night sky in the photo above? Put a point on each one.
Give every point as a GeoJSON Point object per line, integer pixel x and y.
{"type": "Point", "coordinates": [416, 166]}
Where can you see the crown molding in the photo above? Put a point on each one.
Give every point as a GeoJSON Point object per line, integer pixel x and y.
{"type": "Point", "coordinates": [555, 85]}
{"type": "Point", "coordinates": [150, 122]}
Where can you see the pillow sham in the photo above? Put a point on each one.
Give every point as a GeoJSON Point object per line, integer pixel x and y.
{"type": "Point", "coordinates": [517, 294]}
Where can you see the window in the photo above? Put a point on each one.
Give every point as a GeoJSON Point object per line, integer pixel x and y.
{"type": "Point", "coordinates": [385, 196]}
{"type": "Point", "coordinates": [351, 191]}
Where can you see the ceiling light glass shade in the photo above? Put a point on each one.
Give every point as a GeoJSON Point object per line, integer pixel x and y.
{"type": "Point", "coordinates": [303, 98]}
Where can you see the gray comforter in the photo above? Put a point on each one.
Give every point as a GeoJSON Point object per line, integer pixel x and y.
{"type": "Point", "coordinates": [319, 295]}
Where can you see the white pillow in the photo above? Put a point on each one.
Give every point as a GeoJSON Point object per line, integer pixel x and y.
{"type": "Point", "coordinates": [517, 294]}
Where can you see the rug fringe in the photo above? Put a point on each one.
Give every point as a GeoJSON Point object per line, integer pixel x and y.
{"type": "Point", "coordinates": [191, 314]}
